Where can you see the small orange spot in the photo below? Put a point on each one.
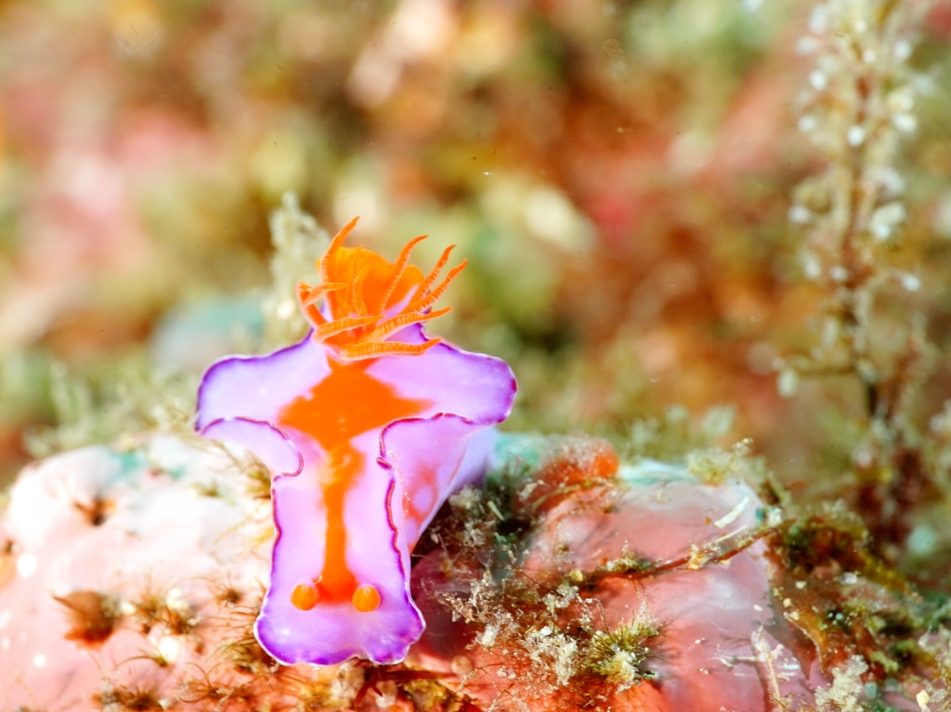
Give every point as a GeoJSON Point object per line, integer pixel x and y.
{"type": "Point", "coordinates": [304, 596]}
{"type": "Point", "coordinates": [366, 599]}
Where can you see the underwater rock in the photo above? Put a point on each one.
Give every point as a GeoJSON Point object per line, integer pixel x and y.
{"type": "Point", "coordinates": [131, 580]}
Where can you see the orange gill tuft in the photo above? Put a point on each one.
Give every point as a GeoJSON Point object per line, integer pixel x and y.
{"type": "Point", "coordinates": [363, 292]}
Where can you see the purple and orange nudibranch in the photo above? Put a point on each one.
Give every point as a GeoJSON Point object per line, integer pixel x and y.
{"type": "Point", "coordinates": [367, 426]}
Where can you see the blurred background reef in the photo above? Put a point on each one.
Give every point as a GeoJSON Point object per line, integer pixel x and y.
{"type": "Point", "coordinates": [647, 192]}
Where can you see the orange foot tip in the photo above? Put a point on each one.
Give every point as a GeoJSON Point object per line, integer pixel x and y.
{"type": "Point", "coordinates": [305, 595]}
{"type": "Point", "coordinates": [366, 599]}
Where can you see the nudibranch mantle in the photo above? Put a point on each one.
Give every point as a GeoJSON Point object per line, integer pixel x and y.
{"type": "Point", "coordinates": [367, 426]}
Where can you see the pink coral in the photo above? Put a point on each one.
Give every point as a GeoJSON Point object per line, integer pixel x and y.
{"type": "Point", "coordinates": [113, 565]}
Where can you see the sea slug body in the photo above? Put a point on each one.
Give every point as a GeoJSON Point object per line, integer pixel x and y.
{"type": "Point", "coordinates": [367, 426]}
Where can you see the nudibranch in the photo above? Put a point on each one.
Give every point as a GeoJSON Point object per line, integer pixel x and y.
{"type": "Point", "coordinates": [367, 426]}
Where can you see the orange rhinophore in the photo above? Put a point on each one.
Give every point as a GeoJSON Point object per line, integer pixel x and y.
{"type": "Point", "coordinates": [369, 299]}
